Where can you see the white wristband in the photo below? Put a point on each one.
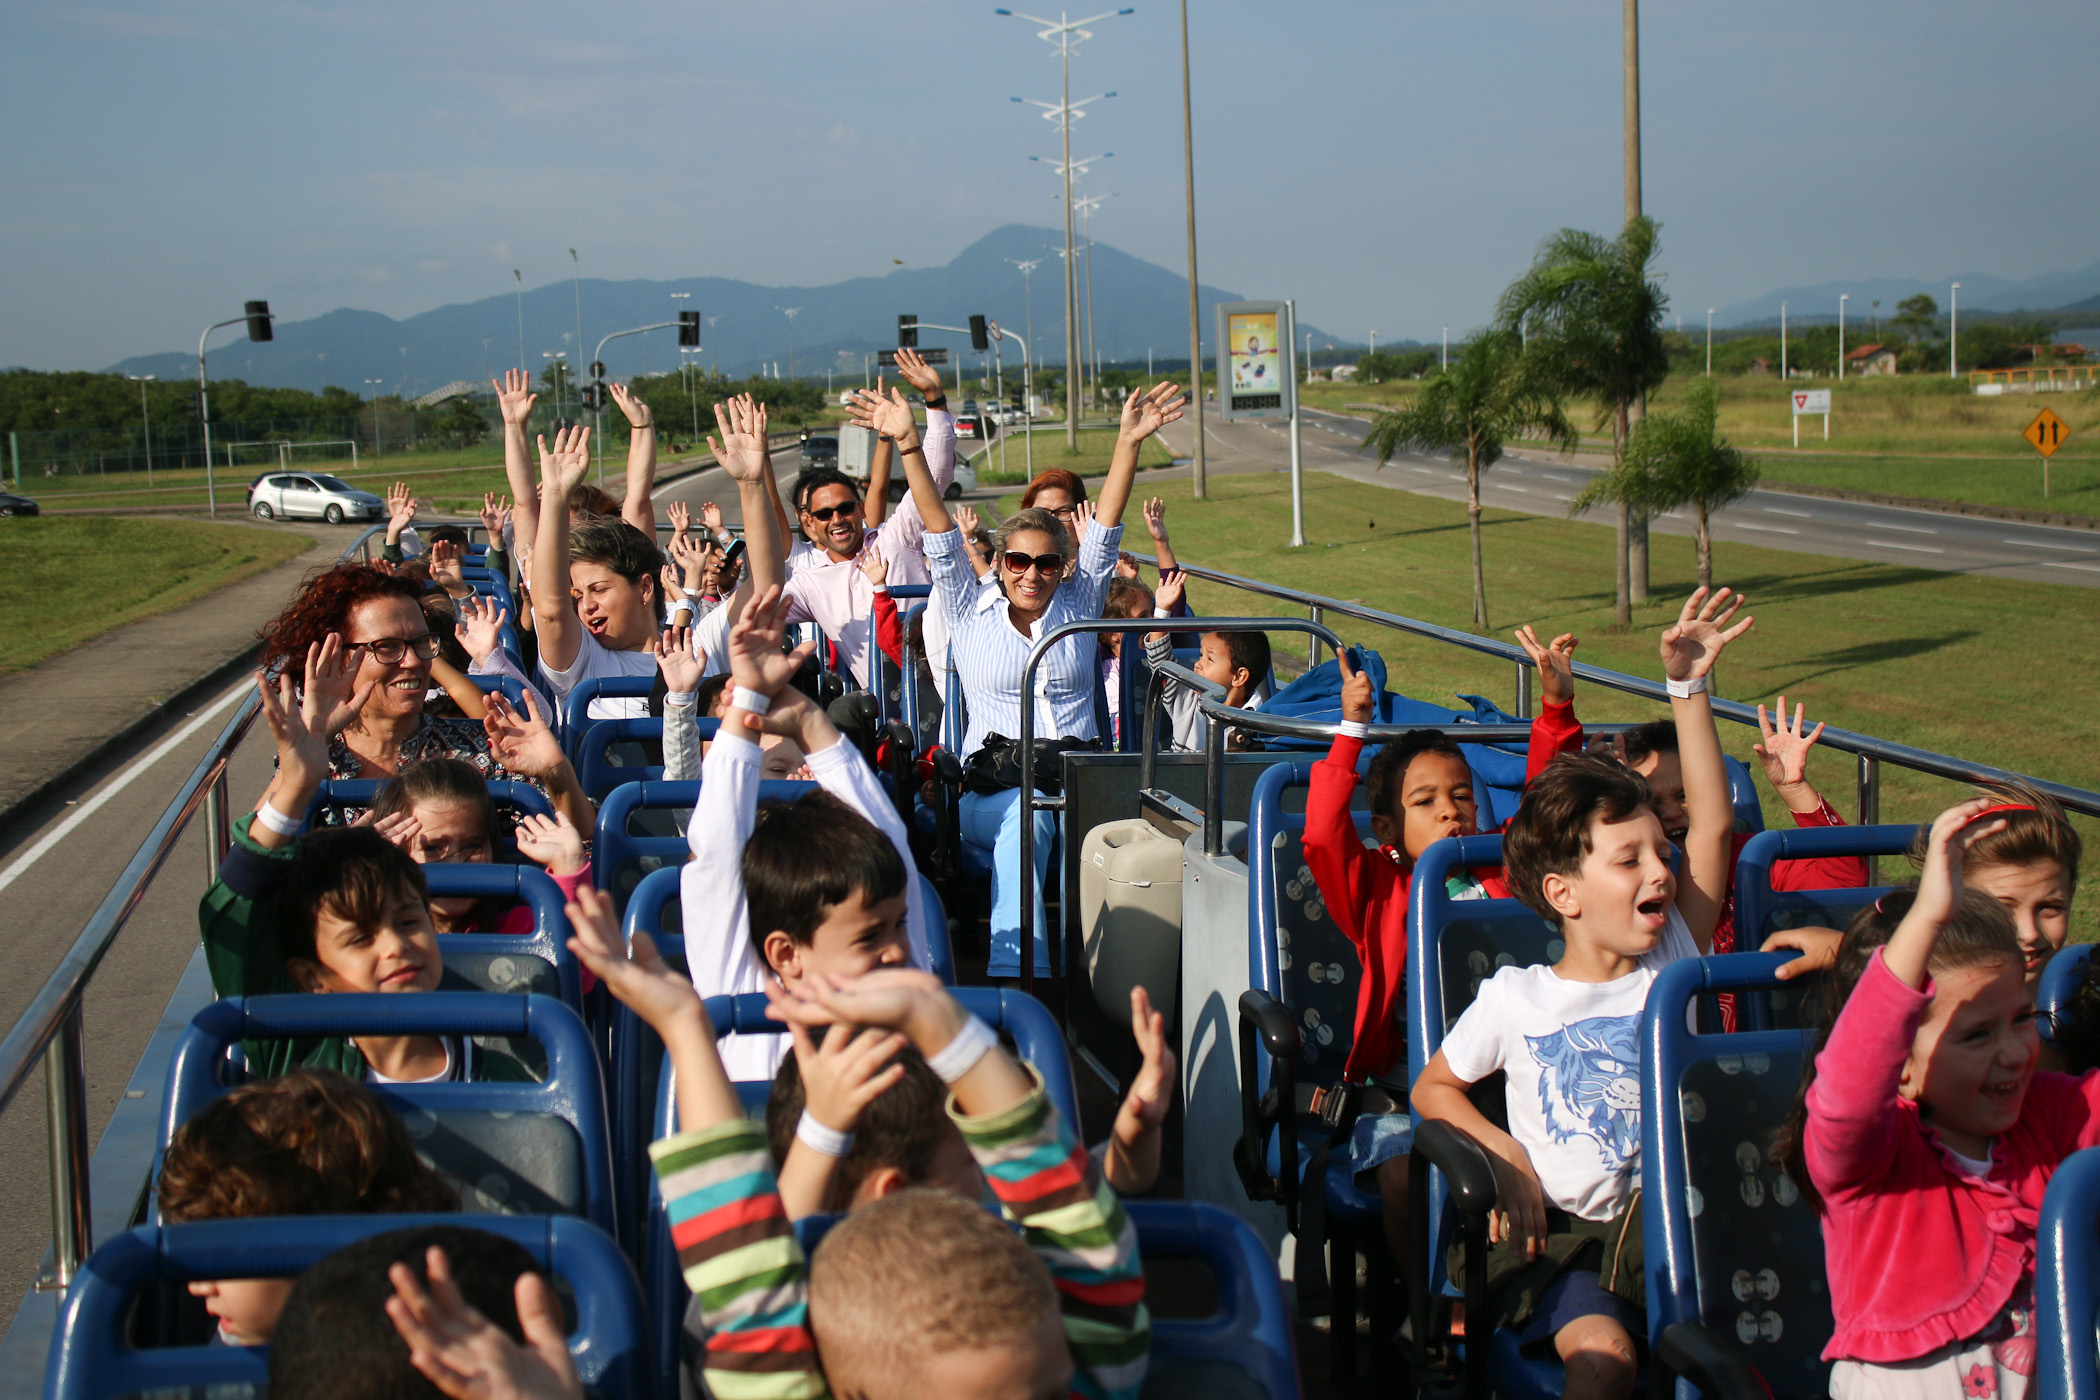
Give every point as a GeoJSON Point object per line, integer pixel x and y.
{"type": "Point", "coordinates": [1685, 690]}
{"type": "Point", "coordinates": [750, 701]}
{"type": "Point", "coordinates": [1354, 728]}
{"type": "Point", "coordinates": [270, 819]}
{"type": "Point", "coordinates": [960, 1055]}
{"type": "Point", "coordinates": [820, 1139]}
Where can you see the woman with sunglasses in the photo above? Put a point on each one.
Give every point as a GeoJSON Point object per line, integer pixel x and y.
{"type": "Point", "coordinates": [386, 637]}
{"type": "Point", "coordinates": [1047, 582]}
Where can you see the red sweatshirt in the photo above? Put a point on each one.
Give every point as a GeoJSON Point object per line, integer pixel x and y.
{"type": "Point", "coordinates": [889, 627]}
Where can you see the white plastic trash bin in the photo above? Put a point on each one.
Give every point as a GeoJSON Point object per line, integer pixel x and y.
{"type": "Point", "coordinates": [1130, 915]}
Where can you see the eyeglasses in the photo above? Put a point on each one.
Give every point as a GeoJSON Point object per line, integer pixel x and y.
{"type": "Point", "coordinates": [388, 651]}
{"type": "Point", "coordinates": [1046, 564]}
{"type": "Point", "coordinates": [1063, 512]}
{"type": "Point", "coordinates": [828, 511]}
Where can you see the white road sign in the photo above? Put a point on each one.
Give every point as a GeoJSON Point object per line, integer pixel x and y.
{"type": "Point", "coordinates": [1811, 401]}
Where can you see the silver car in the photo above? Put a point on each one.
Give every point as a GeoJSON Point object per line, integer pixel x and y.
{"type": "Point", "coordinates": [313, 495]}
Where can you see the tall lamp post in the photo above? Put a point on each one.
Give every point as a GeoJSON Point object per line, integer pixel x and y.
{"type": "Point", "coordinates": [372, 388]}
{"type": "Point", "coordinates": [791, 312]}
{"type": "Point", "coordinates": [520, 278]}
{"type": "Point", "coordinates": [1709, 342]}
{"type": "Point", "coordinates": [1067, 34]}
{"type": "Point", "coordinates": [142, 380]}
{"type": "Point", "coordinates": [1199, 480]}
{"type": "Point", "coordinates": [1953, 324]}
{"type": "Point", "coordinates": [1842, 298]}
{"type": "Point", "coordinates": [257, 315]}
{"type": "Point", "coordinates": [1782, 343]}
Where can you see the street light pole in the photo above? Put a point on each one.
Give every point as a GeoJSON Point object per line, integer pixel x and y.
{"type": "Point", "coordinates": [1841, 333]}
{"type": "Point", "coordinates": [521, 318]}
{"type": "Point", "coordinates": [576, 270]}
{"type": "Point", "coordinates": [1199, 480]}
{"type": "Point", "coordinates": [790, 312]}
{"type": "Point", "coordinates": [1953, 325]}
{"type": "Point", "coordinates": [211, 492]}
{"type": "Point", "coordinates": [1446, 362]}
{"type": "Point", "coordinates": [147, 417]}
{"type": "Point", "coordinates": [1782, 343]}
{"type": "Point", "coordinates": [1709, 342]}
{"type": "Point", "coordinates": [372, 387]}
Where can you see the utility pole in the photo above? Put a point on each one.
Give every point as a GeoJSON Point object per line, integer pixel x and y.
{"type": "Point", "coordinates": [1953, 324]}
{"type": "Point", "coordinates": [146, 417]}
{"type": "Point", "coordinates": [1632, 529]}
{"type": "Point", "coordinates": [1198, 480]}
{"type": "Point", "coordinates": [791, 312]}
{"type": "Point", "coordinates": [521, 318]}
{"type": "Point", "coordinates": [576, 268]}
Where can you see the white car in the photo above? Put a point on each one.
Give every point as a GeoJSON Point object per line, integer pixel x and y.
{"type": "Point", "coordinates": [313, 495]}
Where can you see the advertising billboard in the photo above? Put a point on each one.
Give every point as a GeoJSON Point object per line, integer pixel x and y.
{"type": "Point", "coordinates": [1257, 372]}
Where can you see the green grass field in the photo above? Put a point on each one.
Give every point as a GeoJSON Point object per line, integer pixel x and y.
{"type": "Point", "coordinates": [1096, 445]}
{"type": "Point", "coordinates": [2074, 483]}
{"type": "Point", "coordinates": [69, 580]}
{"type": "Point", "coordinates": [1945, 662]}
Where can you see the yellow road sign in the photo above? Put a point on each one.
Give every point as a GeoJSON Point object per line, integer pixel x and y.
{"type": "Point", "coordinates": [2047, 432]}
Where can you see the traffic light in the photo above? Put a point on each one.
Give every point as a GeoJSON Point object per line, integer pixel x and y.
{"type": "Point", "coordinates": [593, 397]}
{"type": "Point", "coordinates": [980, 334]}
{"type": "Point", "coordinates": [258, 314]}
{"type": "Point", "coordinates": [689, 330]}
{"type": "Point", "coordinates": [908, 332]}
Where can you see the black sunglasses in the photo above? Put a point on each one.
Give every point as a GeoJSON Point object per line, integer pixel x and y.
{"type": "Point", "coordinates": [828, 511]}
{"type": "Point", "coordinates": [1046, 564]}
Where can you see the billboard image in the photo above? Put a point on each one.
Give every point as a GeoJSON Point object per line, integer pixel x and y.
{"type": "Point", "coordinates": [1255, 353]}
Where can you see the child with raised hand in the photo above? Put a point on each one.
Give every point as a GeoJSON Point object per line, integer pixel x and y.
{"type": "Point", "coordinates": [1238, 661]}
{"type": "Point", "coordinates": [823, 885]}
{"type": "Point", "coordinates": [440, 812]}
{"type": "Point", "coordinates": [340, 910]}
{"type": "Point", "coordinates": [1925, 1137]}
{"type": "Point", "coordinates": [1586, 851]}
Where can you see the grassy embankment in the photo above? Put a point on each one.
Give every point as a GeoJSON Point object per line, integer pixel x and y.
{"type": "Point", "coordinates": [69, 580]}
{"type": "Point", "coordinates": [1941, 661]}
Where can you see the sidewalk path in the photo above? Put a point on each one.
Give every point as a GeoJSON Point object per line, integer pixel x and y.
{"type": "Point", "coordinates": [65, 714]}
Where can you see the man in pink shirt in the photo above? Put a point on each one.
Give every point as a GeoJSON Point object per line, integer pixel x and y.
{"type": "Point", "coordinates": [832, 591]}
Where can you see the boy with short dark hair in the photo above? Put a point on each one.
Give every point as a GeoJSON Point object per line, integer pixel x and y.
{"type": "Point", "coordinates": [340, 910]}
{"type": "Point", "coordinates": [1238, 661]}
{"type": "Point", "coordinates": [825, 886]}
{"type": "Point", "coordinates": [1587, 852]}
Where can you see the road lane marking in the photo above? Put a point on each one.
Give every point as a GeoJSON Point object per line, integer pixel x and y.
{"type": "Point", "coordinates": [1562, 496]}
{"type": "Point", "coordinates": [1521, 491]}
{"type": "Point", "coordinates": [124, 780]}
{"type": "Point", "coordinates": [1909, 529]}
{"type": "Point", "coordinates": [2041, 544]}
{"type": "Point", "coordinates": [1797, 514]}
{"type": "Point", "coordinates": [1423, 470]}
{"type": "Point", "coordinates": [1569, 480]}
{"type": "Point", "coordinates": [1913, 548]}
{"type": "Point", "coordinates": [1761, 529]}
{"type": "Point", "coordinates": [2082, 568]}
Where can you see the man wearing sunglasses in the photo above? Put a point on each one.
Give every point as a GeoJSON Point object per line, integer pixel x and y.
{"type": "Point", "coordinates": [831, 590]}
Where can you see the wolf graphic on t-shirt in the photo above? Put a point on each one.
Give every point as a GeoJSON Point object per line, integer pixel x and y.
{"type": "Point", "coordinates": [1590, 1085]}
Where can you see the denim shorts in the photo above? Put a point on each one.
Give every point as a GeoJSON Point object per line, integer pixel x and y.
{"type": "Point", "coordinates": [1378, 1138]}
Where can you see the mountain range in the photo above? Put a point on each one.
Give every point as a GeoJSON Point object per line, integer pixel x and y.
{"type": "Point", "coordinates": [1142, 308]}
{"type": "Point", "coordinates": [1979, 292]}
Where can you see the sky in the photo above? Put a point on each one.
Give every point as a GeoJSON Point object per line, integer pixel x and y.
{"type": "Point", "coordinates": [1391, 164]}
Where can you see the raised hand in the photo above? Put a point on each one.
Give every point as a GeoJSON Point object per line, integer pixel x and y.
{"type": "Point", "coordinates": [1786, 745]}
{"type": "Point", "coordinates": [913, 370]}
{"type": "Point", "coordinates": [481, 626]}
{"type": "Point", "coordinates": [1156, 520]}
{"type": "Point", "coordinates": [552, 842]}
{"type": "Point", "coordinates": [681, 519]}
{"type": "Point", "coordinates": [515, 398]}
{"type": "Point", "coordinates": [562, 468]}
{"type": "Point", "coordinates": [674, 657]}
{"type": "Point", "coordinates": [755, 659]}
{"type": "Point", "coordinates": [874, 567]}
{"type": "Point", "coordinates": [1082, 521]}
{"type": "Point", "coordinates": [638, 977]}
{"type": "Point", "coordinates": [1555, 663]}
{"type": "Point", "coordinates": [969, 522]}
{"type": "Point", "coordinates": [638, 413]}
{"type": "Point", "coordinates": [1172, 583]}
{"type": "Point", "coordinates": [446, 562]}
{"type": "Point", "coordinates": [844, 1073]}
{"type": "Point", "coordinates": [742, 452]}
{"type": "Point", "coordinates": [469, 1357]}
{"type": "Point", "coordinates": [690, 555]}
{"type": "Point", "coordinates": [304, 717]}
{"type": "Point", "coordinates": [495, 514]}
{"type": "Point", "coordinates": [1359, 701]}
{"type": "Point", "coordinates": [895, 998]}
{"type": "Point", "coordinates": [401, 508]}
{"type": "Point", "coordinates": [1133, 1159]}
{"type": "Point", "coordinates": [1145, 414]}
{"type": "Point", "coordinates": [887, 413]}
{"type": "Point", "coordinates": [711, 517]}
{"type": "Point", "coordinates": [1692, 644]}
{"type": "Point", "coordinates": [523, 744]}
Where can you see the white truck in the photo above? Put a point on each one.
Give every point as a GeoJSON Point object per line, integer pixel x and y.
{"type": "Point", "coordinates": [857, 459]}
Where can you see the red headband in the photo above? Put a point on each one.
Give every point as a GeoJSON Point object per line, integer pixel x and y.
{"type": "Point", "coordinates": [2002, 807]}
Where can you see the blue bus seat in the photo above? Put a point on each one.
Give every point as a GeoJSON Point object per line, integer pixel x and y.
{"type": "Point", "coordinates": [1454, 946]}
{"type": "Point", "coordinates": [1733, 1251]}
{"type": "Point", "coordinates": [610, 752]}
{"type": "Point", "coordinates": [575, 711]}
{"type": "Point", "coordinates": [92, 1357]}
{"type": "Point", "coordinates": [511, 688]}
{"type": "Point", "coordinates": [1761, 910]}
{"type": "Point", "coordinates": [2067, 1281]}
{"type": "Point", "coordinates": [534, 1149]}
{"type": "Point", "coordinates": [539, 961]}
{"type": "Point", "coordinates": [621, 857]}
{"type": "Point", "coordinates": [1037, 1039]}
{"type": "Point", "coordinates": [2060, 980]}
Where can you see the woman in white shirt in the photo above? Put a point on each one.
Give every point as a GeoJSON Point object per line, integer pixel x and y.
{"type": "Point", "coordinates": [1045, 587]}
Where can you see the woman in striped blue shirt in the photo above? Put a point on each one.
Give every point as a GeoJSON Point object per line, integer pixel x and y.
{"type": "Point", "coordinates": [1046, 582]}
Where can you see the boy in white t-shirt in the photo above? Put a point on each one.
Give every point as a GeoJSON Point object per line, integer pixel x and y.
{"type": "Point", "coordinates": [1586, 851]}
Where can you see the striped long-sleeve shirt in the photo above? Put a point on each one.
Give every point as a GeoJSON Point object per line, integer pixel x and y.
{"type": "Point", "coordinates": [743, 1265]}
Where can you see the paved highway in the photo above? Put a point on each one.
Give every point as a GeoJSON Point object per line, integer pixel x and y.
{"type": "Point", "coordinates": [1776, 519]}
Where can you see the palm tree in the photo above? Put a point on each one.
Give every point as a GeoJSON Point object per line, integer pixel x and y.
{"type": "Point", "coordinates": [1491, 393]}
{"type": "Point", "coordinates": [1593, 316]}
{"type": "Point", "coordinates": [1677, 459]}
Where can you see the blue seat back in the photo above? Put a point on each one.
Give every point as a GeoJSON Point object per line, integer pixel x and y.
{"type": "Point", "coordinates": [605, 754]}
{"type": "Point", "coordinates": [2059, 984]}
{"type": "Point", "coordinates": [539, 961]}
{"type": "Point", "coordinates": [2067, 1281]}
{"type": "Point", "coordinates": [92, 1357]}
{"type": "Point", "coordinates": [575, 711]}
{"type": "Point", "coordinates": [512, 1148]}
{"type": "Point", "coordinates": [622, 856]}
{"type": "Point", "coordinates": [1295, 951]}
{"type": "Point", "coordinates": [1037, 1038]}
{"type": "Point", "coordinates": [1761, 910]}
{"type": "Point", "coordinates": [1731, 1243]}
{"type": "Point", "coordinates": [510, 687]}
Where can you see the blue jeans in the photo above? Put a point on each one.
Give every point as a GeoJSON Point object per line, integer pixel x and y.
{"type": "Point", "coordinates": [994, 820]}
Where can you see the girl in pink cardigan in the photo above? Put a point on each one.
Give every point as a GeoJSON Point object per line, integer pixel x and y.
{"type": "Point", "coordinates": [1925, 1138]}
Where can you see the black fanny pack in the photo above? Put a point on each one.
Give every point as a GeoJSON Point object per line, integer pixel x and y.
{"type": "Point", "coordinates": [996, 767]}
